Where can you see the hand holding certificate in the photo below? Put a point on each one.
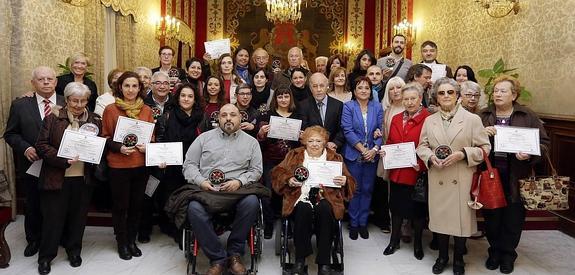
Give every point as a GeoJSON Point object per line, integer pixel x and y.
{"type": "Point", "coordinates": [86, 147]}
{"type": "Point", "coordinates": [138, 130]}
{"type": "Point", "coordinates": [517, 140]}
{"type": "Point", "coordinates": [284, 128]}
{"type": "Point", "coordinates": [323, 172]}
{"type": "Point", "coordinates": [169, 153]}
{"type": "Point", "coordinates": [399, 155]}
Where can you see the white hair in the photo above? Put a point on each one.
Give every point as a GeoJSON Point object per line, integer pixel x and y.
{"type": "Point", "coordinates": [76, 89]}
{"type": "Point", "coordinates": [157, 74]}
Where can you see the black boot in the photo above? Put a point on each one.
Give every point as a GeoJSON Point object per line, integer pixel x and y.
{"type": "Point", "coordinates": [439, 265]}
{"type": "Point", "coordinates": [458, 267]}
{"type": "Point", "coordinates": [123, 252]}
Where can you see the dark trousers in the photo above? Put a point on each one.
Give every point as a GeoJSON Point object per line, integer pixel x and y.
{"type": "Point", "coordinates": [156, 204]}
{"type": "Point", "coordinates": [66, 210]}
{"type": "Point", "coordinates": [380, 203]}
{"type": "Point", "coordinates": [503, 228]}
{"type": "Point", "coordinates": [32, 213]}
{"type": "Point", "coordinates": [304, 218]}
{"type": "Point", "coordinates": [147, 218]}
{"type": "Point", "coordinates": [271, 206]}
{"type": "Point", "coordinates": [458, 247]}
{"type": "Point", "coordinates": [127, 186]}
{"type": "Point", "coordinates": [246, 212]}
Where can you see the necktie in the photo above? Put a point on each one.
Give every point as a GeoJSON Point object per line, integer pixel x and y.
{"type": "Point", "coordinates": [321, 112]}
{"type": "Point", "coordinates": [47, 108]}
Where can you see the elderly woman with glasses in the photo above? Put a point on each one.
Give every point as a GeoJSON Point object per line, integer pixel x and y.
{"type": "Point", "coordinates": [450, 145]}
{"type": "Point", "coordinates": [65, 184]}
{"type": "Point", "coordinates": [470, 96]}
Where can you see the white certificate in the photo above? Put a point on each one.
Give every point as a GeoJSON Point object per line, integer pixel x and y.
{"type": "Point", "coordinates": [170, 153]}
{"type": "Point", "coordinates": [35, 168]}
{"type": "Point", "coordinates": [323, 172]}
{"type": "Point", "coordinates": [437, 70]}
{"type": "Point", "coordinates": [284, 128]}
{"type": "Point", "coordinates": [217, 47]}
{"type": "Point", "coordinates": [126, 125]}
{"type": "Point", "coordinates": [151, 186]}
{"type": "Point", "coordinates": [399, 155]}
{"type": "Point", "coordinates": [517, 140]}
{"type": "Point", "coordinates": [87, 147]}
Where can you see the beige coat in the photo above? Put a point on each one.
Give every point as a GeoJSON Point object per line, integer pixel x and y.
{"type": "Point", "coordinates": [449, 186]}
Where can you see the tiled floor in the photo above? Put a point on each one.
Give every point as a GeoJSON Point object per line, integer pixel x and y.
{"type": "Point", "coordinates": [540, 252]}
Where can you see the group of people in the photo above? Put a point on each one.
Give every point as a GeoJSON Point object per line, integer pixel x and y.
{"type": "Point", "coordinates": [221, 111]}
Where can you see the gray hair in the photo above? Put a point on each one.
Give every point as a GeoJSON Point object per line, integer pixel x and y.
{"type": "Point", "coordinates": [43, 68]}
{"type": "Point", "coordinates": [470, 85]}
{"type": "Point", "coordinates": [76, 89]}
{"type": "Point", "coordinates": [321, 58]}
{"type": "Point", "coordinates": [445, 80]}
{"type": "Point", "coordinates": [143, 70]}
{"type": "Point", "coordinates": [157, 74]}
{"type": "Point", "coordinates": [386, 102]}
{"type": "Point", "coordinates": [243, 85]}
{"type": "Point", "coordinates": [413, 86]}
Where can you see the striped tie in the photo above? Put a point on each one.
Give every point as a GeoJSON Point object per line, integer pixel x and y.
{"type": "Point", "coordinates": [47, 108]}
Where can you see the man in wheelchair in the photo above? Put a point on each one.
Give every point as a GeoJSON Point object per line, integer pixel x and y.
{"type": "Point", "coordinates": [225, 163]}
{"type": "Point", "coordinates": [310, 207]}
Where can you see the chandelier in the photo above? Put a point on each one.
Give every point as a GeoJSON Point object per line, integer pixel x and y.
{"type": "Point", "coordinates": [499, 8]}
{"type": "Point", "coordinates": [283, 11]}
{"type": "Point", "coordinates": [167, 27]}
{"type": "Point", "coordinates": [406, 29]}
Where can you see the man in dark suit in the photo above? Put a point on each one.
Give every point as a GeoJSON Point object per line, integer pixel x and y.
{"type": "Point", "coordinates": [323, 110]}
{"type": "Point", "coordinates": [24, 123]}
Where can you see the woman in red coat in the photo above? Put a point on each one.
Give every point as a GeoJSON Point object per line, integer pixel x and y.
{"type": "Point", "coordinates": [406, 127]}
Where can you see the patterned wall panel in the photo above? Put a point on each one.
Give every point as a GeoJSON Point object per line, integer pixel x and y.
{"type": "Point", "coordinates": [355, 21]}
{"type": "Point", "coordinates": [539, 41]}
{"type": "Point", "coordinates": [215, 24]}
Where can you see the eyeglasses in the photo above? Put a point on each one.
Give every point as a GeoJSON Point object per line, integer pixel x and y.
{"type": "Point", "coordinates": [159, 83]}
{"type": "Point", "coordinates": [78, 102]}
{"type": "Point", "coordinates": [472, 95]}
{"type": "Point", "coordinates": [448, 92]}
{"type": "Point", "coordinates": [244, 94]}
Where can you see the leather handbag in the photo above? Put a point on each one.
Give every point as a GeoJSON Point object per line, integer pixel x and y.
{"type": "Point", "coordinates": [545, 192]}
{"type": "Point", "coordinates": [420, 188]}
{"type": "Point", "coordinates": [486, 189]}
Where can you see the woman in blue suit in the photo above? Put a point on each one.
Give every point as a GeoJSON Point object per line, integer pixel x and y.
{"type": "Point", "coordinates": [360, 121]}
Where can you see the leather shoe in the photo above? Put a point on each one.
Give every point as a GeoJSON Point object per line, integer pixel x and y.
{"type": "Point", "coordinates": [299, 268]}
{"type": "Point", "coordinates": [390, 249]}
{"type": "Point", "coordinates": [124, 252]}
{"type": "Point", "coordinates": [75, 260]}
{"type": "Point", "coordinates": [458, 268]}
{"type": "Point", "coordinates": [492, 263]}
{"type": "Point", "coordinates": [363, 232]}
{"type": "Point", "coordinates": [439, 265]}
{"type": "Point", "coordinates": [134, 250]}
{"type": "Point", "coordinates": [505, 267]}
{"type": "Point", "coordinates": [324, 269]}
{"type": "Point", "coordinates": [44, 267]}
{"type": "Point", "coordinates": [236, 265]}
{"type": "Point", "coordinates": [143, 238]}
{"type": "Point", "coordinates": [31, 249]}
{"type": "Point", "coordinates": [216, 269]}
{"type": "Point", "coordinates": [353, 231]}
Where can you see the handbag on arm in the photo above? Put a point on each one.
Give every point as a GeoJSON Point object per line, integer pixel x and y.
{"type": "Point", "coordinates": [545, 192]}
{"type": "Point", "coordinates": [486, 189]}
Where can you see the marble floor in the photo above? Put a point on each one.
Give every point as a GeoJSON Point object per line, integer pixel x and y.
{"type": "Point", "coordinates": [540, 252]}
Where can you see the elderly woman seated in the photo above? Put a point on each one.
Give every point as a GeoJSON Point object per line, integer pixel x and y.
{"type": "Point", "coordinates": [306, 208]}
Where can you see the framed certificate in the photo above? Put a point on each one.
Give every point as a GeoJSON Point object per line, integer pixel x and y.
{"type": "Point", "coordinates": [323, 172]}
{"type": "Point", "coordinates": [142, 130]}
{"type": "Point", "coordinates": [87, 147]}
{"type": "Point", "coordinates": [399, 155]}
{"type": "Point", "coordinates": [517, 140]}
{"type": "Point", "coordinates": [170, 153]}
{"type": "Point", "coordinates": [217, 47]}
{"type": "Point", "coordinates": [284, 128]}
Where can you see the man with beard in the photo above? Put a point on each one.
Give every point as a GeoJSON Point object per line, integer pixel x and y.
{"type": "Point", "coordinates": [238, 158]}
{"type": "Point", "coordinates": [395, 64]}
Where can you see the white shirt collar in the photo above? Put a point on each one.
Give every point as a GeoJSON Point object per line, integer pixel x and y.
{"type": "Point", "coordinates": [52, 99]}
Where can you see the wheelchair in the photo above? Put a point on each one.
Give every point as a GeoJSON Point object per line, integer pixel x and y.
{"type": "Point", "coordinates": [284, 248]}
{"type": "Point", "coordinates": [222, 222]}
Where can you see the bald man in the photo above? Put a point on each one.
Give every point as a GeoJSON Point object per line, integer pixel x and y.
{"type": "Point", "coordinates": [22, 128]}
{"type": "Point", "coordinates": [295, 59]}
{"type": "Point", "coordinates": [323, 110]}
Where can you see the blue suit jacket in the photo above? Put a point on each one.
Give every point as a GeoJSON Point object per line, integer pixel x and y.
{"type": "Point", "coordinates": [353, 128]}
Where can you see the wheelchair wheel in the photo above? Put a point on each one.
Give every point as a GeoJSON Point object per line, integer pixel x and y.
{"type": "Point", "coordinates": [189, 245]}
{"type": "Point", "coordinates": [278, 237]}
{"type": "Point", "coordinates": [337, 252]}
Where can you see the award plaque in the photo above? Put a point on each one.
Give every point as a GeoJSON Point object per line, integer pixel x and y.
{"type": "Point", "coordinates": [244, 115]}
{"type": "Point", "coordinates": [130, 140]}
{"type": "Point", "coordinates": [174, 73]}
{"type": "Point", "coordinates": [89, 129]}
{"type": "Point", "coordinates": [443, 151]}
{"type": "Point", "coordinates": [301, 173]}
{"type": "Point", "coordinates": [276, 64]}
{"type": "Point", "coordinates": [156, 112]}
{"type": "Point", "coordinates": [216, 176]}
{"type": "Point", "coordinates": [390, 62]}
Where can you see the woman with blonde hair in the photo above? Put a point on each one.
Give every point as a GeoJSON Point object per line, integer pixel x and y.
{"type": "Point", "coordinates": [78, 64]}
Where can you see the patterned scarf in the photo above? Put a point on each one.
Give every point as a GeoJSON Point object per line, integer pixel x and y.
{"type": "Point", "coordinates": [132, 109]}
{"type": "Point", "coordinates": [75, 121]}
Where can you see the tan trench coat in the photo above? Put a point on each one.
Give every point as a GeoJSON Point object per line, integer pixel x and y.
{"type": "Point", "coordinates": [449, 186]}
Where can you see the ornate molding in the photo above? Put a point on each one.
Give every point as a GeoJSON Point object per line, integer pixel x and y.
{"type": "Point", "coordinates": [77, 3]}
{"type": "Point", "coordinates": [235, 10]}
{"type": "Point", "coordinates": [356, 18]}
{"type": "Point", "coordinates": [215, 19]}
{"type": "Point", "coordinates": [125, 7]}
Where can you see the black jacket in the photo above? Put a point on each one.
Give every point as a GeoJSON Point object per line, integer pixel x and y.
{"type": "Point", "coordinates": [310, 116]}
{"type": "Point", "coordinates": [64, 80]}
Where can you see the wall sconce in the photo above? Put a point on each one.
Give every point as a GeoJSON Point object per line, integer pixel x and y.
{"type": "Point", "coordinates": [406, 29]}
{"type": "Point", "coordinates": [167, 27]}
{"type": "Point", "coordinates": [499, 8]}
{"type": "Point", "coordinates": [349, 49]}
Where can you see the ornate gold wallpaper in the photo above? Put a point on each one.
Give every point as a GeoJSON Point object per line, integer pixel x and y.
{"type": "Point", "coordinates": [539, 41]}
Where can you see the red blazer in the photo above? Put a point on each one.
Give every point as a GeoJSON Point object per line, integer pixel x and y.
{"type": "Point", "coordinates": [398, 134]}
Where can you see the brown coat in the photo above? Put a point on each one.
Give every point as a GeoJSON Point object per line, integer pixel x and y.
{"type": "Point", "coordinates": [449, 186]}
{"type": "Point", "coordinates": [284, 171]}
{"type": "Point", "coordinates": [521, 117]}
{"type": "Point", "coordinates": [49, 139]}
